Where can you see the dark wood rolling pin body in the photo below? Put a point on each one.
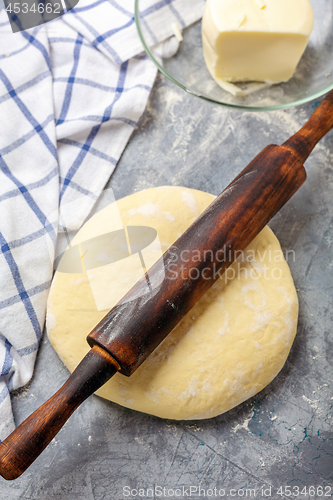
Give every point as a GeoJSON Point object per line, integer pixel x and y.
{"type": "Point", "coordinates": [137, 325]}
{"type": "Point", "coordinates": [134, 327]}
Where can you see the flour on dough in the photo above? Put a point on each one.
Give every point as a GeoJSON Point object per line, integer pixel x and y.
{"type": "Point", "coordinates": [228, 347]}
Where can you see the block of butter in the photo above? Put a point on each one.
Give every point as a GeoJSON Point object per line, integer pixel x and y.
{"type": "Point", "coordinates": [255, 40]}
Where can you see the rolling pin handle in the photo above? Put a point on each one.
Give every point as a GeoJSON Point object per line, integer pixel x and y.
{"type": "Point", "coordinates": [17, 452]}
{"type": "Point", "coordinates": [320, 123]}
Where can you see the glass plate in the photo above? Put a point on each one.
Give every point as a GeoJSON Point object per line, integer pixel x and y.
{"type": "Point", "coordinates": [187, 68]}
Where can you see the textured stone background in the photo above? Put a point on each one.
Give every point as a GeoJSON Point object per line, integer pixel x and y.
{"type": "Point", "coordinates": [282, 436]}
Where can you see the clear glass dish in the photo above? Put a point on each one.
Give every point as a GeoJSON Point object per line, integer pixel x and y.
{"type": "Point", "coordinates": [187, 68]}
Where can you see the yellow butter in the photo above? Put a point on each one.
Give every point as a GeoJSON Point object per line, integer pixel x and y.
{"type": "Point", "coordinates": [255, 40]}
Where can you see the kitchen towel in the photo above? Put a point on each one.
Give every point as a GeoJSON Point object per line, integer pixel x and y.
{"type": "Point", "coordinates": [71, 93]}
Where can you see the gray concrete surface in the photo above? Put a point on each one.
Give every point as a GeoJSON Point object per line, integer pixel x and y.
{"type": "Point", "coordinates": [280, 438]}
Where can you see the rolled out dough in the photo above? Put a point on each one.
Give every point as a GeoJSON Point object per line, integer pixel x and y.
{"type": "Point", "coordinates": [228, 347]}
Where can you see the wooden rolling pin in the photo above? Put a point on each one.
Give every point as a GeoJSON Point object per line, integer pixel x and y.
{"type": "Point", "coordinates": [128, 334]}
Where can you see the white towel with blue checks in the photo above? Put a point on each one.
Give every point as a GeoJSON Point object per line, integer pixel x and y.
{"type": "Point", "coordinates": [71, 93]}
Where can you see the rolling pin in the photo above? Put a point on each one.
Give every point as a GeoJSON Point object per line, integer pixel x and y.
{"type": "Point", "coordinates": [130, 331]}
